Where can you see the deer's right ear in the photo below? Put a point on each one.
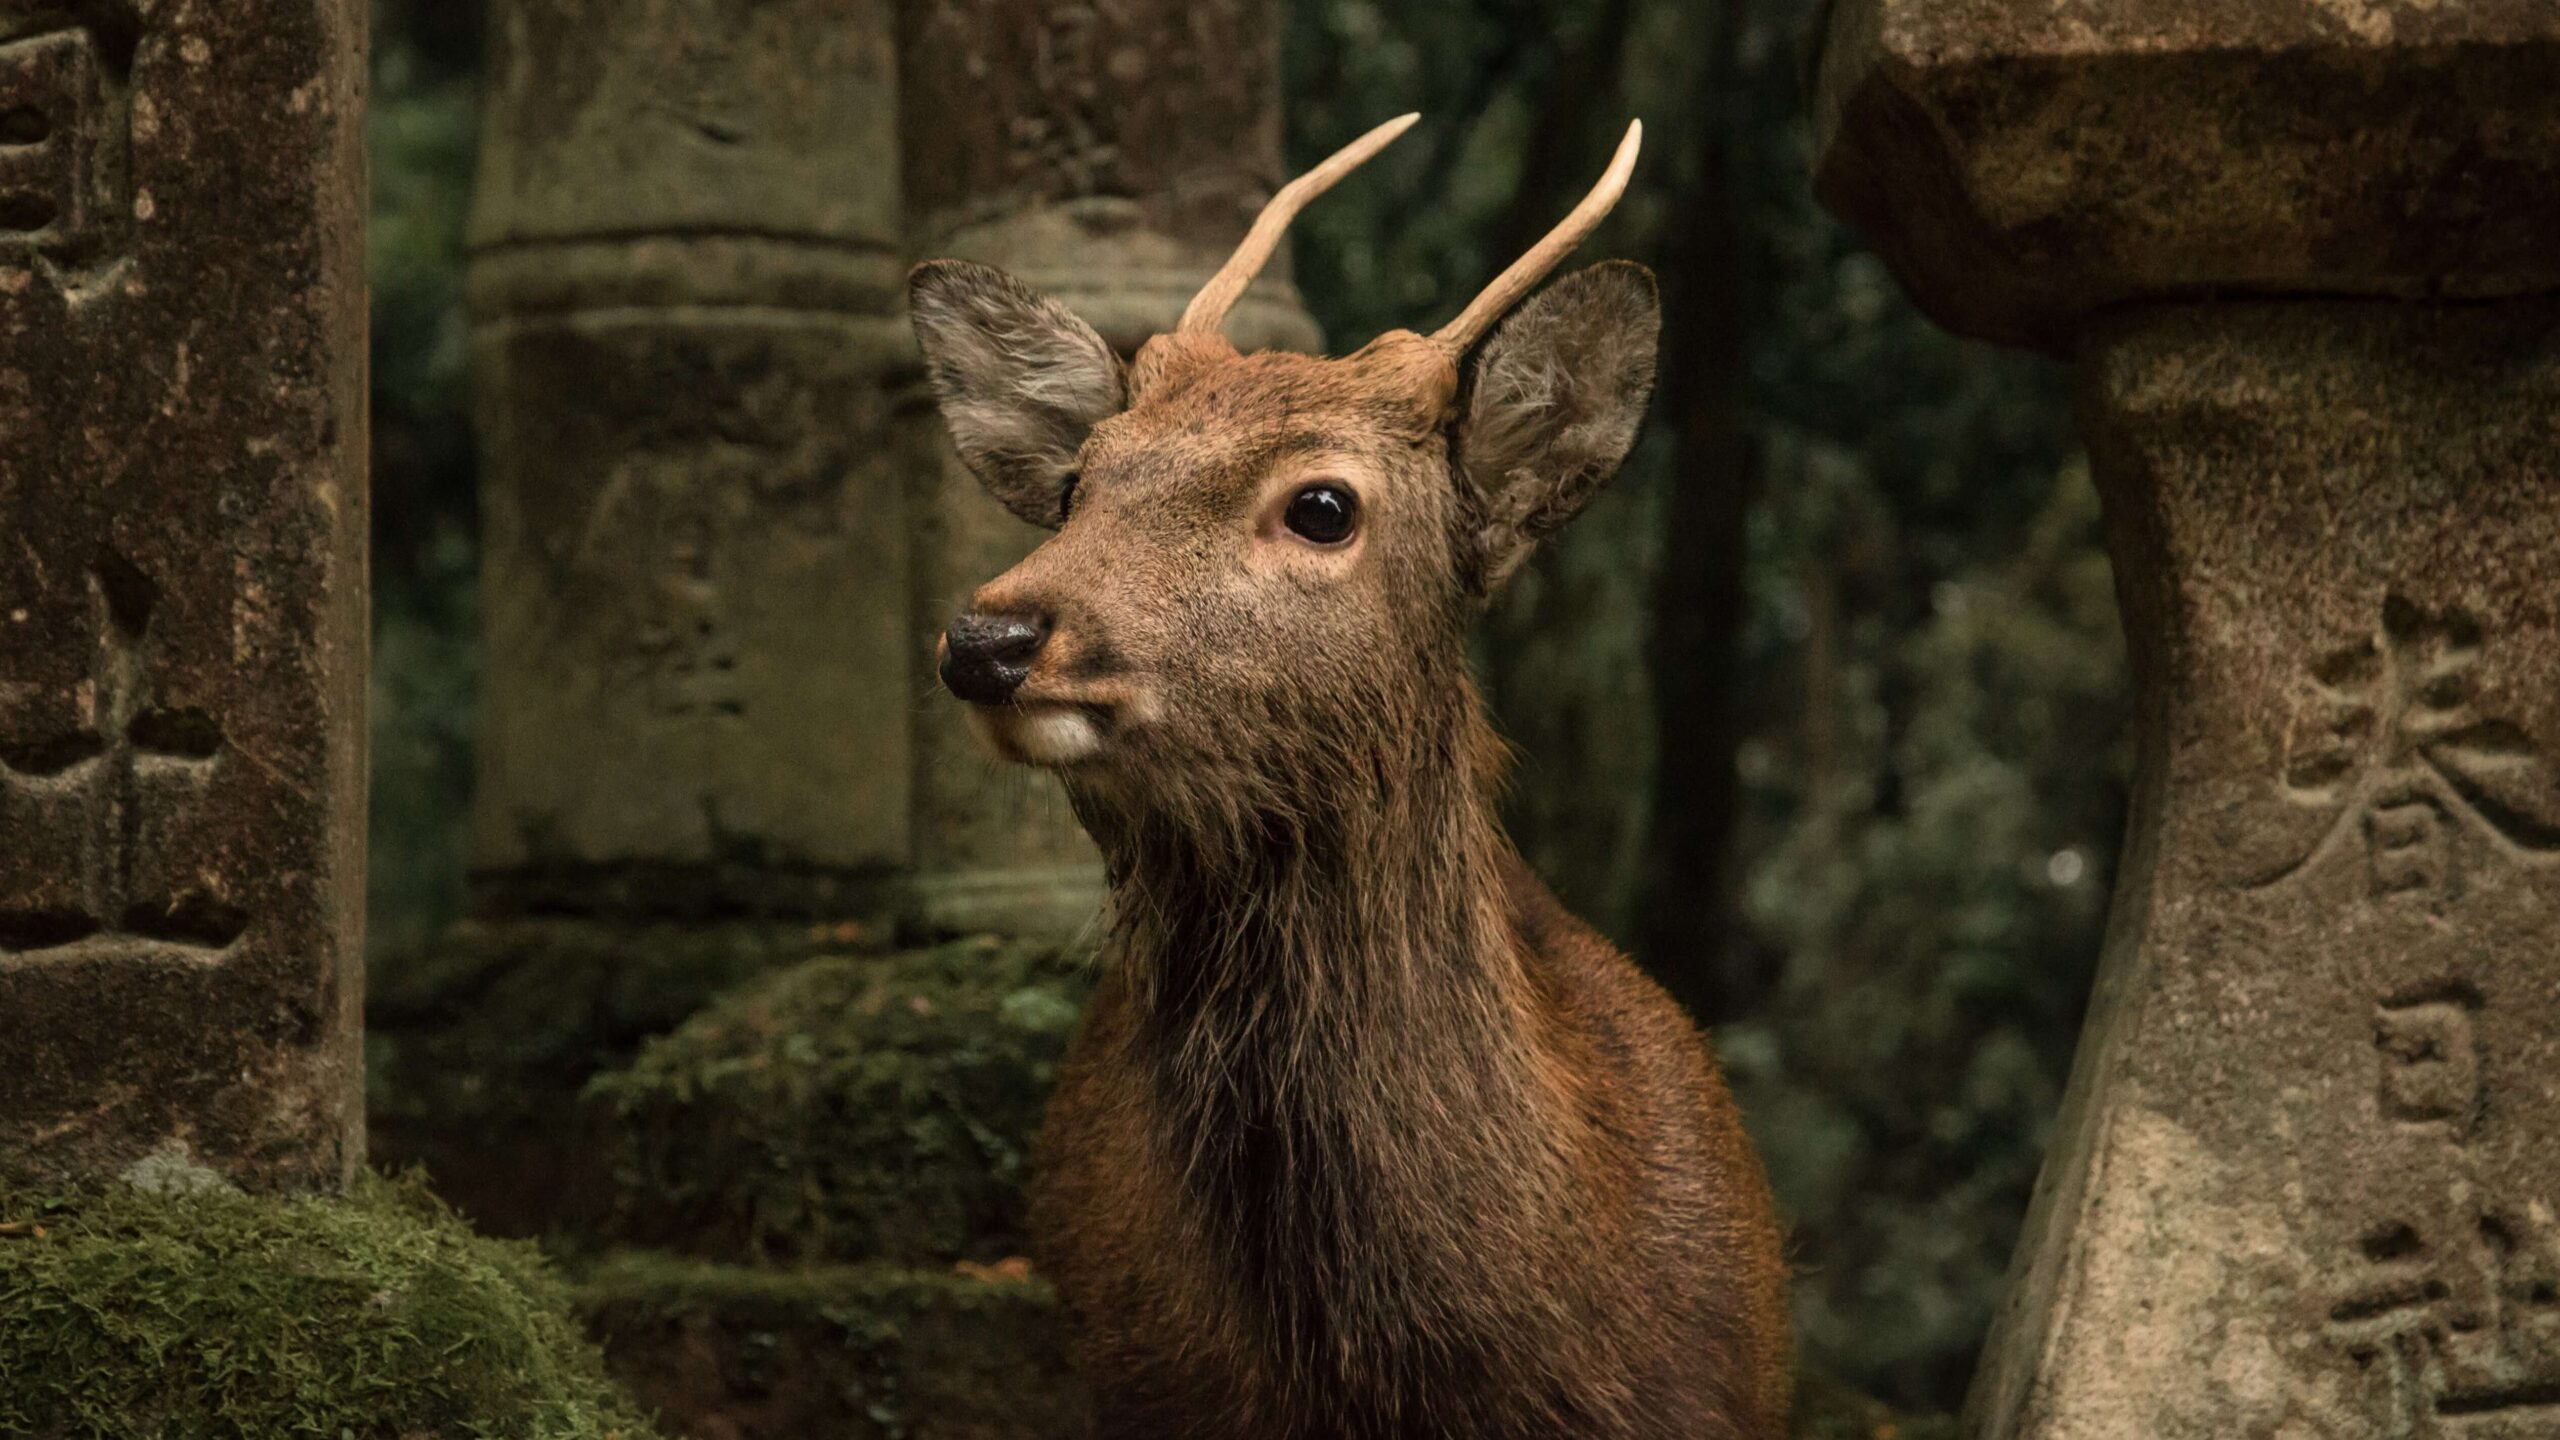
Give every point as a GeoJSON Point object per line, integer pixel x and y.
{"type": "Point", "coordinates": [1556, 398]}
{"type": "Point", "coordinates": [1021, 380]}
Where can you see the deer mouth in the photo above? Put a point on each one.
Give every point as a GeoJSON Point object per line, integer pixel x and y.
{"type": "Point", "coordinates": [1052, 734]}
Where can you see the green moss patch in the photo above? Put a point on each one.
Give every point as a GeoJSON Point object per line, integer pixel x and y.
{"type": "Point", "coordinates": [461, 1026]}
{"type": "Point", "coordinates": [478, 1045]}
{"type": "Point", "coordinates": [863, 1352]}
{"type": "Point", "coordinates": [1827, 1410]}
{"type": "Point", "coordinates": [847, 1109]}
{"type": "Point", "coordinates": [211, 1315]}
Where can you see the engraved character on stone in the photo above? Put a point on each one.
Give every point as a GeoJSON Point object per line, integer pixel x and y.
{"type": "Point", "coordinates": [2391, 745]}
{"type": "Point", "coordinates": [98, 790]}
{"type": "Point", "coordinates": [65, 131]}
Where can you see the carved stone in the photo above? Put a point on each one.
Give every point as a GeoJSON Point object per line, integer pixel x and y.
{"type": "Point", "coordinates": [2306, 1182]}
{"type": "Point", "coordinates": [684, 287]}
{"type": "Point", "coordinates": [182, 604]}
{"type": "Point", "coordinates": [1111, 156]}
{"type": "Point", "coordinates": [2308, 1178]}
{"type": "Point", "coordinates": [2022, 164]}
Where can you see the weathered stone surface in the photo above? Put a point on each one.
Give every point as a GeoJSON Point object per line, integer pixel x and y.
{"type": "Point", "coordinates": [684, 283]}
{"type": "Point", "coordinates": [2308, 1178]}
{"type": "Point", "coordinates": [182, 604]}
{"type": "Point", "coordinates": [1112, 156]}
{"type": "Point", "coordinates": [2022, 164]}
{"type": "Point", "coordinates": [865, 1352]}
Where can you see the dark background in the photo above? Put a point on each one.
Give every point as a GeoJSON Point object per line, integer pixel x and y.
{"type": "Point", "coordinates": [1821, 708]}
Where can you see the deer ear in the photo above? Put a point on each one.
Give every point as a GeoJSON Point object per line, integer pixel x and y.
{"type": "Point", "coordinates": [1554, 401]}
{"type": "Point", "coordinates": [1021, 380]}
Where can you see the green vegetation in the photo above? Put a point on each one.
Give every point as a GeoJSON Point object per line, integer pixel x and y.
{"type": "Point", "coordinates": [1826, 1410]}
{"type": "Point", "coordinates": [500, 1023]}
{"type": "Point", "coordinates": [867, 1352]}
{"type": "Point", "coordinates": [849, 1108]}
{"type": "Point", "coordinates": [421, 130]}
{"type": "Point", "coordinates": [205, 1314]}
{"type": "Point", "coordinates": [478, 1047]}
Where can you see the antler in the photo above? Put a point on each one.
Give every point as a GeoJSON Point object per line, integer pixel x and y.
{"type": "Point", "coordinates": [1208, 308]}
{"type": "Point", "coordinates": [1507, 288]}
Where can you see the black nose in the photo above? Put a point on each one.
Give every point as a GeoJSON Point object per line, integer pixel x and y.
{"type": "Point", "coordinates": [985, 657]}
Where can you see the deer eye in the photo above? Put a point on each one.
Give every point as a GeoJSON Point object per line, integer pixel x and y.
{"type": "Point", "coordinates": [1322, 514]}
{"type": "Point", "coordinates": [1067, 494]}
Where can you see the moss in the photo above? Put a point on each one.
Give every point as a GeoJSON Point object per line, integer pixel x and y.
{"type": "Point", "coordinates": [208, 1313]}
{"type": "Point", "coordinates": [1827, 1410]}
{"type": "Point", "coordinates": [477, 1046]}
{"type": "Point", "coordinates": [866, 1352]}
{"type": "Point", "coordinates": [552, 1000]}
{"type": "Point", "coordinates": [876, 1108]}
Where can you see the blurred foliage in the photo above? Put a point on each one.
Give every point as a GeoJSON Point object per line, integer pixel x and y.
{"type": "Point", "coordinates": [1819, 707]}
{"type": "Point", "coordinates": [425, 517]}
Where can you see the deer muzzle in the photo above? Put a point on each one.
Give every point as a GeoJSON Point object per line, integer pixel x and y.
{"type": "Point", "coordinates": [985, 658]}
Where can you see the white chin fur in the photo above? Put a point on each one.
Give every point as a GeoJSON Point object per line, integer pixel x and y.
{"type": "Point", "coordinates": [1047, 735]}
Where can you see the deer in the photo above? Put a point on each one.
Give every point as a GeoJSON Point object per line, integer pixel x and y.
{"type": "Point", "coordinates": [1362, 1136]}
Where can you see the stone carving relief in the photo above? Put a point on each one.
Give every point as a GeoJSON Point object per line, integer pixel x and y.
{"type": "Point", "coordinates": [2409, 776]}
{"type": "Point", "coordinates": [2430, 1056]}
{"type": "Point", "coordinates": [2393, 747]}
{"type": "Point", "coordinates": [65, 139]}
{"type": "Point", "coordinates": [684, 650]}
{"type": "Point", "coordinates": [1069, 142]}
{"type": "Point", "coordinates": [2451, 1316]}
{"type": "Point", "coordinates": [100, 793]}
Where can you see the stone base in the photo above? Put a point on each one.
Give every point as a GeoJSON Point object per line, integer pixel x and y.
{"type": "Point", "coordinates": [205, 1312]}
{"type": "Point", "coordinates": [863, 1352]}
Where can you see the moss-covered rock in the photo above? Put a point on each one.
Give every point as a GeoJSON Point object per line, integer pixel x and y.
{"type": "Point", "coordinates": [847, 1109]}
{"type": "Point", "coordinates": [861, 1352]}
{"type": "Point", "coordinates": [1827, 1410]}
{"type": "Point", "coordinates": [199, 1313]}
{"type": "Point", "coordinates": [478, 1046]}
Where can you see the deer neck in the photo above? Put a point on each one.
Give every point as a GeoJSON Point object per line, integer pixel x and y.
{"type": "Point", "coordinates": [1363, 905]}
{"type": "Point", "coordinates": [1338, 1026]}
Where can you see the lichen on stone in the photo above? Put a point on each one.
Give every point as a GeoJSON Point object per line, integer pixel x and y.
{"type": "Point", "coordinates": [208, 1314]}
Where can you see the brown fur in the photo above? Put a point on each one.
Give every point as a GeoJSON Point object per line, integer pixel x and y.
{"type": "Point", "coordinates": [1364, 1136]}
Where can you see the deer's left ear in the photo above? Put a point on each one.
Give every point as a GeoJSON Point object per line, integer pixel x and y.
{"type": "Point", "coordinates": [1554, 400]}
{"type": "Point", "coordinates": [1021, 380]}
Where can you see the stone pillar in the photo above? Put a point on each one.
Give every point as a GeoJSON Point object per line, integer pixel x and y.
{"type": "Point", "coordinates": [684, 287]}
{"type": "Point", "coordinates": [182, 591]}
{"type": "Point", "coordinates": [1111, 156]}
{"type": "Point", "coordinates": [2307, 1178]}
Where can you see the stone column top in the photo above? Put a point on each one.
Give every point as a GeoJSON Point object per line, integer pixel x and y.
{"type": "Point", "coordinates": [2020, 164]}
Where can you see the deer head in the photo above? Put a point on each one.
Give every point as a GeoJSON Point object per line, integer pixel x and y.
{"type": "Point", "coordinates": [1265, 564]}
